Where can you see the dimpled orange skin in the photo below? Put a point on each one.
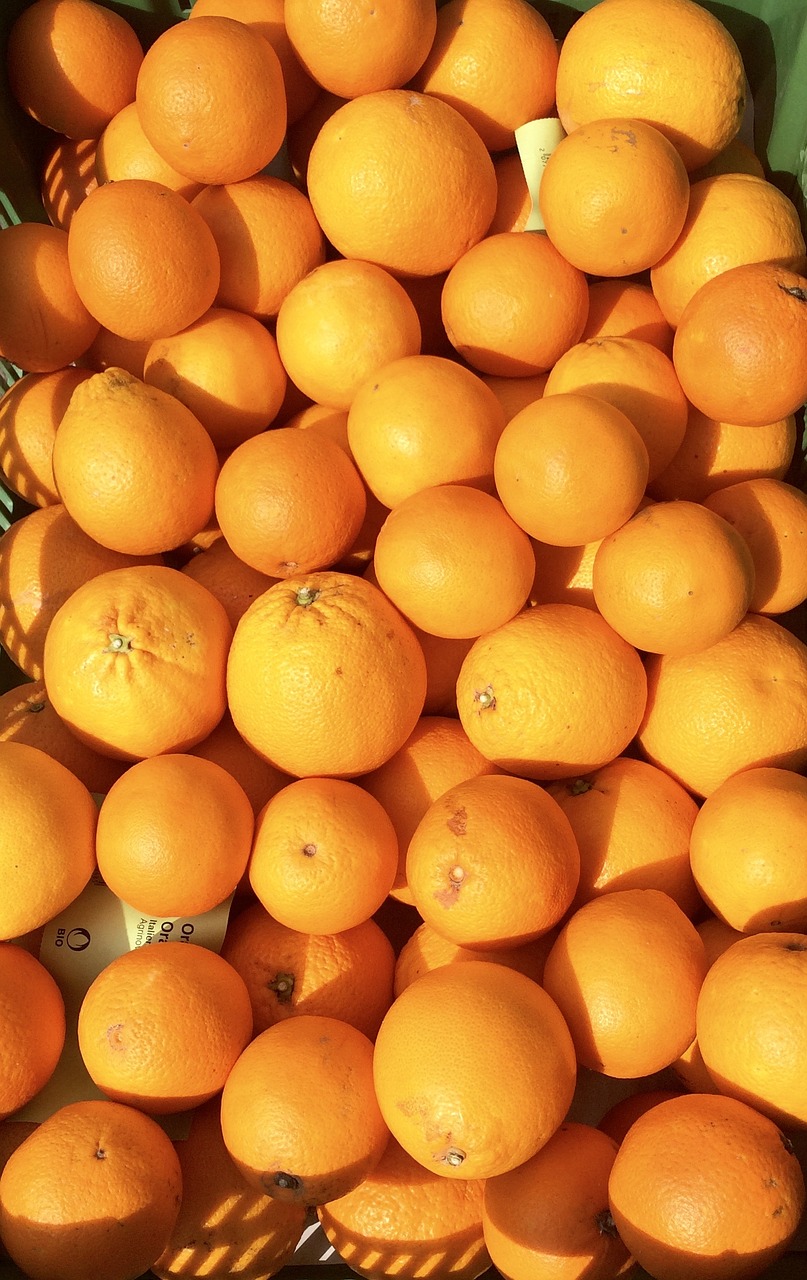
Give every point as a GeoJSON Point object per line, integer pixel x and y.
{"type": "Point", "coordinates": [33, 1023]}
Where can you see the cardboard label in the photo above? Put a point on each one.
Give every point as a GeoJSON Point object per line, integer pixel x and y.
{"type": "Point", "coordinates": [536, 140]}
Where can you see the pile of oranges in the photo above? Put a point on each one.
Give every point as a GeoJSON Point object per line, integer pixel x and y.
{"type": "Point", "coordinates": [420, 589]}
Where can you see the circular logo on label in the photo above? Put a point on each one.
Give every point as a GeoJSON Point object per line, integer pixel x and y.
{"type": "Point", "coordinates": [78, 939]}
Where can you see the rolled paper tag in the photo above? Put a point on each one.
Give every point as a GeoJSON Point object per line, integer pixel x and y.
{"type": "Point", "coordinates": [536, 140]}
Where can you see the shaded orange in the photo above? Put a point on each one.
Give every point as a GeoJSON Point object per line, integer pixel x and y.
{"type": "Point", "coordinates": [225, 746]}
{"type": "Point", "coordinates": [45, 323]}
{"type": "Point", "coordinates": [426, 949]}
{"type": "Point", "coordinates": [626, 309]}
{"type": "Point", "coordinates": [27, 716]}
{"type": "Point", "coordinates": [715, 454]}
{"type": "Point", "coordinates": [234, 583]}
{"type": "Point", "coordinates": [33, 1027]}
{"type": "Point", "coordinates": [30, 412]}
{"type": "Point", "coordinates": [771, 517]}
{"type": "Point", "coordinates": [619, 1118]}
{"type": "Point", "coordinates": [108, 350]}
{"type": "Point", "coordinates": [124, 151]}
{"type": "Point", "coordinates": [514, 394]}
{"type": "Point", "coordinates": [68, 177]}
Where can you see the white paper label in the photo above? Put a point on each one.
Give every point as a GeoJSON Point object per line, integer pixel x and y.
{"type": "Point", "coordinates": [536, 141]}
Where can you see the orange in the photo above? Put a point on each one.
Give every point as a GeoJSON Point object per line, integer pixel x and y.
{"type": "Point", "coordinates": [625, 972]}
{"type": "Point", "coordinates": [736, 157]}
{"type": "Point", "coordinates": [352, 50]}
{"type": "Point", "coordinates": [289, 502]}
{"type": "Point", "coordinates": [174, 835]}
{"type": "Point", "coordinates": [311, 1134]}
{"type": "Point", "coordinates": [771, 517]}
{"type": "Point", "coordinates": [425, 292]}
{"type": "Point", "coordinates": [453, 561]}
{"type": "Point", "coordinates": [135, 468]}
{"type": "Point", "coordinates": [637, 378]}
{"type": "Point", "coordinates": [404, 1220]}
{"type": "Point", "coordinates": [324, 676]}
{"type": "Point", "coordinates": [675, 578]}
{"type": "Point", "coordinates": [751, 1024]}
{"type": "Point", "coordinates": [109, 349]}
{"type": "Point", "coordinates": [614, 196]}
{"type": "Point", "coordinates": [514, 394]}
{"type": "Point", "coordinates": [89, 1163]}
{"type": "Point", "coordinates": [438, 1076]}
{"type": "Point", "coordinates": [124, 151]}
{"type": "Point", "coordinates": [30, 412]}
{"type": "Point", "coordinates": [544, 475]}
{"type": "Point", "coordinates": [72, 64]}
{"type": "Point", "coordinates": [225, 746]}
{"type": "Point", "coordinates": [563, 575]}
{"type": "Point", "coordinates": [143, 260]}
{"type": "Point", "coordinates": [211, 99]}
{"type": "Point", "coordinates": [224, 1228]}
{"type": "Point", "coordinates": [303, 133]}
{"type": "Point", "coordinates": [226, 369]}
{"type": "Point", "coordinates": [632, 823]}
{"type": "Point", "coordinates": [267, 237]}
{"type": "Point", "coordinates": [324, 855]}
{"type": "Point", "coordinates": [160, 1027]}
{"type": "Point", "coordinates": [387, 164]}
{"type": "Point", "coordinates": [471, 66]}
{"type": "Point", "coordinates": [340, 325]}
{"type": "Point", "coordinates": [551, 1214]}
{"type": "Point", "coordinates": [401, 439]}
{"type": "Point", "coordinates": [135, 661]}
{"type": "Point", "coordinates": [45, 323]}
{"type": "Point", "coordinates": [437, 755]}
{"type": "Point", "coordinates": [715, 454]}
{"type": "Point", "coordinates": [512, 305]}
{"type": "Point", "coordinates": [733, 218]}
{"type": "Point", "coordinates": [346, 975]}
{"type": "Point", "coordinates": [674, 58]}
{"type": "Point", "coordinates": [44, 556]}
{"type": "Point", "coordinates": [493, 862]}
{"type": "Point", "coordinates": [618, 1119]}
{"type": "Point", "coordinates": [27, 716]}
{"type": "Point", "coordinates": [704, 1187]}
{"type": "Point", "coordinates": [740, 349]}
{"type": "Point", "coordinates": [522, 704]}
{"type": "Point", "coordinates": [33, 1022]}
{"type": "Point", "coordinates": [736, 705]}
{"type": "Point", "coordinates": [745, 851]}
{"type": "Point", "coordinates": [426, 949]}
{"type": "Point", "coordinates": [513, 199]}
{"type": "Point", "coordinates": [234, 583]}
{"type": "Point", "coordinates": [443, 662]}
{"type": "Point", "coordinates": [68, 177]}
{"type": "Point", "coordinates": [626, 309]}
{"type": "Point", "coordinates": [48, 838]}
{"type": "Point", "coordinates": [266, 17]}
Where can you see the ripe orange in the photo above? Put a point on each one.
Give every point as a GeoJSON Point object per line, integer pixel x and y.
{"type": "Point", "coordinates": [211, 100]}
{"type": "Point", "coordinates": [404, 1220]}
{"type": "Point", "coordinates": [135, 661]}
{"type": "Point", "coordinates": [161, 1026]}
{"type": "Point", "coordinates": [109, 350]}
{"type": "Point", "coordinates": [124, 151]}
{"type": "Point", "coordinates": [399, 435]}
{"type": "Point", "coordinates": [614, 196]}
{"type": "Point", "coordinates": [267, 237]}
{"type": "Point", "coordinates": [225, 746]}
{"type": "Point", "coordinates": [672, 64]}
{"type": "Point", "coordinates": [544, 475]}
{"type": "Point", "coordinates": [68, 177]}
{"type": "Point", "coordinates": [45, 323]}
{"type": "Point", "coordinates": [676, 578]}
{"type": "Point", "coordinates": [387, 164]}
{"type": "Point", "coordinates": [352, 50]}
{"type": "Point", "coordinates": [493, 862]}
{"type": "Point", "coordinates": [33, 1025]}
{"type": "Point", "coordinates": [745, 851]}
{"type": "Point", "coordinates": [453, 561]}
{"type": "Point", "coordinates": [521, 701]}
{"type": "Point", "coordinates": [740, 348]}
{"type": "Point", "coordinates": [637, 378]}
{"type": "Point", "coordinates": [771, 517]}
{"type": "Point", "coordinates": [551, 1214]}
{"type": "Point", "coordinates": [72, 64]}
{"type": "Point", "coordinates": [346, 975]}
{"type": "Point", "coordinates": [48, 821]}
{"type": "Point", "coordinates": [234, 583]}
{"type": "Point", "coordinates": [324, 676]}
{"type": "Point", "coordinates": [311, 1134]}
{"type": "Point", "coordinates": [324, 855]}
{"type": "Point", "coordinates": [752, 1026]}
{"type": "Point", "coordinates": [626, 309]}
{"type": "Point", "coordinates": [705, 1187]}
{"type": "Point", "coordinates": [134, 467]}
{"type": "Point", "coordinates": [340, 325]}
{"type": "Point", "coordinates": [143, 260]}
{"type": "Point", "coordinates": [289, 502]}
{"type": "Point", "coordinates": [740, 703]}
{"type": "Point", "coordinates": [632, 823]}
{"type": "Point", "coordinates": [426, 949]}
{"type": "Point", "coordinates": [689, 1069]}
{"type": "Point", "coordinates": [512, 305]}
{"type": "Point", "coordinates": [224, 1227]}
{"type": "Point", "coordinates": [438, 1077]}
{"type": "Point", "coordinates": [27, 716]}
{"type": "Point", "coordinates": [30, 411]}
{"type": "Point", "coordinates": [714, 454]}
{"type": "Point", "coordinates": [625, 972]}
{"type": "Point", "coordinates": [471, 66]}
{"type": "Point", "coordinates": [87, 1164]}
